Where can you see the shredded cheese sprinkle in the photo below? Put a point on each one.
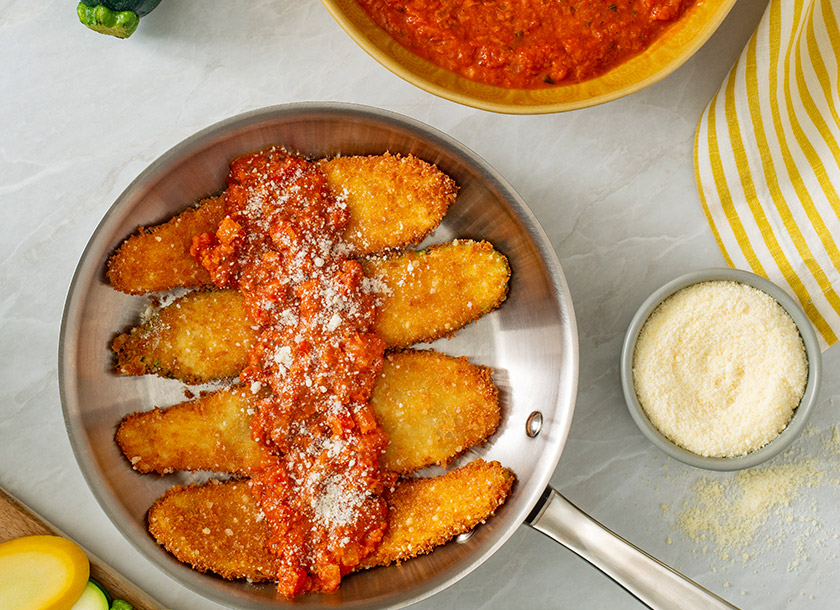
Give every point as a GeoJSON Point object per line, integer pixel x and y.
{"type": "Point", "coordinates": [719, 368]}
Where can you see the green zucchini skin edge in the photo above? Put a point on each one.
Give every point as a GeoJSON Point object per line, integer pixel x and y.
{"type": "Point", "coordinates": [102, 588]}
{"type": "Point", "coordinates": [113, 604]}
{"type": "Point", "coordinates": [141, 8]}
{"type": "Point", "coordinates": [118, 18]}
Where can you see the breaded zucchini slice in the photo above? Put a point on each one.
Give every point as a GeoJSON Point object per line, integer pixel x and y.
{"type": "Point", "coordinates": [218, 526]}
{"type": "Point", "coordinates": [212, 432]}
{"type": "Point", "coordinates": [426, 513]}
{"type": "Point", "coordinates": [425, 295]}
{"type": "Point", "coordinates": [215, 527]}
{"type": "Point", "coordinates": [202, 336]}
{"type": "Point", "coordinates": [393, 201]}
{"type": "Point", "coordinates": [157, 259]}
{"type": "Point", "coordinates": [432, 293]}
{"type": "Point", "coordinates": [432, 406]}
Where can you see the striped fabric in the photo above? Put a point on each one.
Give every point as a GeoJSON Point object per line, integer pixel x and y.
{"type": "Point", "coordinates": [767, 157]}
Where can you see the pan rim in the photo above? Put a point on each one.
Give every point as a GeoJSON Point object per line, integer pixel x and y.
{"type": "Point", "coordinates": [564, 401]}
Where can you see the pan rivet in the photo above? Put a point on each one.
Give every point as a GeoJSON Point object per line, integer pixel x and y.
{"type": "Point", "coordinates": [534, 424]}
{"type": "Point", "coordinates": [464, 537]}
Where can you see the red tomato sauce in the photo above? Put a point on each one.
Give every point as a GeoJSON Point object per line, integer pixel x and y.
{"type": "Point", "coordinates": [320, 488]}
{"type": "Point", "coordinates": [526, 44]}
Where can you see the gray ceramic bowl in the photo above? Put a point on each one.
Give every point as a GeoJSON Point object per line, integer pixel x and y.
{"type": "Point", "coordinates": [800, 416]}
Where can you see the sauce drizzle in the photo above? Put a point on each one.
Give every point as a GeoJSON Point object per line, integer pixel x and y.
{"type": "Point", "coordinates": [314, 365]}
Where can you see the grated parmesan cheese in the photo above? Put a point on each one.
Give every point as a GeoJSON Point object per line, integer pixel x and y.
{"type": "Point", "coordinates": [719, 368]}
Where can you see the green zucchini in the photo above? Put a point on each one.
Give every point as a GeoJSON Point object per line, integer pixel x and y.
{"type": "Point", "coordinates": [102, 588]}
{"type": "Point", "coordinates": [93, 598]}
{"type": "Point", "coordinates": [96, 597]}
{"type": "Point", "coordinates": [114, 17]}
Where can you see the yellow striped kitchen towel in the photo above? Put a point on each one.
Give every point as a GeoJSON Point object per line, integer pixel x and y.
{"type": "Point", "coordinates": [767, 158]}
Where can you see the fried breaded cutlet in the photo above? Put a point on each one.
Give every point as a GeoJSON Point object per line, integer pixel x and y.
{"type": "Point", "coordinates": [202, 336]}
{"type": "Point", "coordinates": [157, 259]}
{"type": "Point", "coordinates": [432, 406]}
{"type": "Point", "coordinates": [212, 432]}
{"type": "Point", "coordinates": [218, 526]}
{"type": "Point", "coordinates": [426, 513]}
{"type": "Point", "coordinates": [425, 295]}
{"type": "Point", "coordinates": [394, 202]}
{"type": "Point", "coordinates": [432, 293]}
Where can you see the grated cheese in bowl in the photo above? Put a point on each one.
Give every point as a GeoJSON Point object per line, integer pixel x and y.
{"type": "Point", "coordinates": [715, 369]}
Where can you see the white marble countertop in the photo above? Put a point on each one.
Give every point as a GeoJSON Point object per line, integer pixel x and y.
{"type": "Point", "coordinates": [613, 186]}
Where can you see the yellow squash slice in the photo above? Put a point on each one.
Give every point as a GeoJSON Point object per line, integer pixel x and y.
{"type": "Point", "coordinates": [41, 573]}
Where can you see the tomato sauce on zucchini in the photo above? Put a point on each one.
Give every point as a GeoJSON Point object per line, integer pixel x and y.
{"type": "Point", "coordinates": [314, 365]}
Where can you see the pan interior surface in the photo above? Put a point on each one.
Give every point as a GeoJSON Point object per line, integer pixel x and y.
{"type": "Point", "coordinates": [530, 342]}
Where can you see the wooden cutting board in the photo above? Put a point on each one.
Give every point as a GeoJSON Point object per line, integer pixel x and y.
{"type": "Point", "coordinates": [18, 520]}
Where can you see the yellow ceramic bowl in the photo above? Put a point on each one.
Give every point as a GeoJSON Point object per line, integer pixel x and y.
{"type": "Point", "coordinates": [664, 56]}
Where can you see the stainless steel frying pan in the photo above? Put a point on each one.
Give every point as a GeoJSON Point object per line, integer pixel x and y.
{"type": "Point", "coordinates": [531, 343]}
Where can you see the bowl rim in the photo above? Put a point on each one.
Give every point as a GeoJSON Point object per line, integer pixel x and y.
{"type": "Point", "coordinates": [601, 89]}
{"type": "Point", "coordinates": [802, 412]}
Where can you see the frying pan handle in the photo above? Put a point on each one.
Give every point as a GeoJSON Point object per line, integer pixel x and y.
{"type": "Point", "coordinates": [651, 581]}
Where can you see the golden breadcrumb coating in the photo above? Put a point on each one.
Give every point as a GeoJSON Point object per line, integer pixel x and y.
{"type": "Point", "coordinates": [432, 406]}
{"type": "Point", "coordinates": [157, 259]}
{"type": "Point", "coordinates": [212, 432]}
{"type": "Point", "coordinates": [426, 513]}
{"type": "Point", "coordinates": [215, 527]}
{"type": "Point", "coordinates": [202, 336]}
{"type": "Point", "coordinates": [434, 292]}
{"type": "Point", "coordinates": [393, 201]}
{"type": "Point", "coordinates": [427, 294]}
{"type": "Point", "coordinates": [218, 526]}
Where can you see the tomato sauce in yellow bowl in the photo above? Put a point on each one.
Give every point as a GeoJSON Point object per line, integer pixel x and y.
{"type": "Point", "coordinates": [530, 56]}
